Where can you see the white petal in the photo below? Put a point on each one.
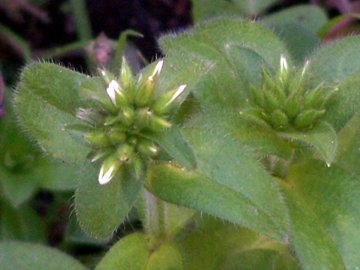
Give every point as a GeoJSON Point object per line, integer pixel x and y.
{"type": "Point", "coordinates": [305, 68]}
{"type": "Point", "coordinates": [157, 69]}
{"type": "Point", "coordinates": [112, 89]}
{"type": "Point", "coordinates": [283, 64]}
{"type": "Point", "coordinates": [104, 178]}
{"type": "Point", "coordinates": [178, 92]}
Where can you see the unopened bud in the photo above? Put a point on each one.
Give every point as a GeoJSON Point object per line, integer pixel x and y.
{"type": "Point", "coordinates": [125, 153]}
{"type": "Point", "coordinates": [279, 120]}
{"type": "Point", "coordinates": [108, 170]}
{"type": "Point", "coordinates": [117, 135]}
{"type": "Point", "coordinates": [127, 116]}
{"type": "Point", "coordinates": [147, 148]}
{"type": "Point", "coordinates": [158, 123]}
{"type": "Point", "coordinates": [164, 104]}
{"type": "Point", "coordinates": [146, 86]}
{"type": "Point", "coordinates": [142, 118]}
{"type": "Point", "coordinates": [97, 139]}
{"type": "Point", "coordinates": [293, 106]}
{"type": "Point", "coordinates": [126, 76]}
{"type": "Point", "coordinates": [315, 98]}
{"type": "Point", "coordinates": [308, 118]}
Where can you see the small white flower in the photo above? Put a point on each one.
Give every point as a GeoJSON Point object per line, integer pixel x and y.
{"type": "Point", "coordinates": [112, 90]}
{"type": "Point", "coordinates": [105, 176]}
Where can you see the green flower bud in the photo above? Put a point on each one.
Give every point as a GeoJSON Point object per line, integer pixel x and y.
{"type": "Point", "coordinates": [147, 148]}
{"type": "Point", "coordinates": [112, 120]}
{"type": "Point", "coordinates": [279, 120]}
{"type": "Point", "coordinates": [98, 139]}
{"type": "Point", "coordinates": [308, 118]}
{"type": "Point", "coordinates": [315, 98]}
{"type": "Point", "coordinates": [125, 153]}
{"type": "Point", "coordinates": [126, 76]}
{"type": "Point", "coordinates": [127, 116]}
{"type": "Point", "coordinates": [146, 86]}
{"type": "Point", "coordinates": [117, 95]}
{"type": "Point", "coordinates": [257, 116]}
{"type": "Point", "coordinates": [257, 96]}
{"type": "Point", "coordinates": [144, 93]}
{"type": "Point", "coordinates": [271, 102]}
{"type": "Point", "coordinates": [277, 90]}
{"type": "Point", "coordinates": [117, 135]}
{"type": "Point", "coordinates": [293, 106]}
{"type": "Point", "coordinates": [142, 118]}
{"type": "Point", "coordinates": [108, 170]}
{"type": "Point", "coordinates": [157, 123]}
{"type": "Point", "coordinates": [164, 103]}
{"type": "Point", "coordinates": [132, 140]}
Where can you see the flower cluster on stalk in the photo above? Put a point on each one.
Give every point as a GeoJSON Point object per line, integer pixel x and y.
{"type": "Point", "coordinates": [124, 119]}
{"type": "Point", "coordinates": [284, 102]}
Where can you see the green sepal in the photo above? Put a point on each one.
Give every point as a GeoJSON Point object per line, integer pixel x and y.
{"type": "Point", "coordinates": [127, 116]}
{"type": "Point", "coordinates": [308, 118]}
{"type": "Point", "coordinates": [293, 106]}
{"type": "Point", "coordinates": [315, 98]}
{"type": "Point", "coordinates": [126, 77]}
{"type": "Point", "coordinates": [148, 148]}
{"type": "Point", "coordinates": [279, 120]}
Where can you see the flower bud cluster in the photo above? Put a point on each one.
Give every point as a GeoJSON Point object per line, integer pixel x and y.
{"type": "Point", "coordinates": [283, 102]}
{"type": "Point", "coordinates": [128, 113]}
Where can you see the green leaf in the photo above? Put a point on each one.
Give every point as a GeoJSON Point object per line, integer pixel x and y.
{"type": "Point", "coordinates": [130, 252]}
{"type": "Point", "coordinates": [213, 241]}
{"type": "Point", "coordinates": [203, 194]}
{"type": "Point", "coordinates": [322, 138]}
{"type": "Point", "coordinates": [22, 223]}
{"type": "Point", "coordinates": [101, 208]}
{"type": "Point", "coordinates": [18, 188]}
{"type": "Point", "coordinates": [344, 104]}
{"type": "Point", "coordinates": [57, 176]}
{"type": "Point", "coordinates": [308, 236]}
{"type": "Point", "coordinates": [213, 44]}
{"type": "Point", "coordinates": [253, 7]}
{"type": "Point", "coordinates": [234, 124]}
{"type": "Point", "coordinates": [311, 17]}
{"type": "Point", "coordinates": [231, 164]}
{"type": "Point", "coordinates": [255, 259]}
{"type": "Point", "coordinates": [206, 9]}
{"type": "Point", "coordinates": [26, 256]}
{"type": "Point", "coordinates": [335, 61]}
{"type": "Point", "coordinates": [300, 41]}
{"type": "Point", "coordinates": [333, 195]}
{"type": "Point", "coordinates": [46, 101]}
{"type": "Point", "coordinates": [173, 143]}
{"type": "Point", "coordinates": [166, 257]}
{"type": "Point", "coordinates": [349, 145]}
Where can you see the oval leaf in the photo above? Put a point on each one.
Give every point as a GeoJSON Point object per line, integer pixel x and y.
{"type": "Point", "coordinates": [25, 256]}
{"type": "Point", "coordinates": [129, 253]}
